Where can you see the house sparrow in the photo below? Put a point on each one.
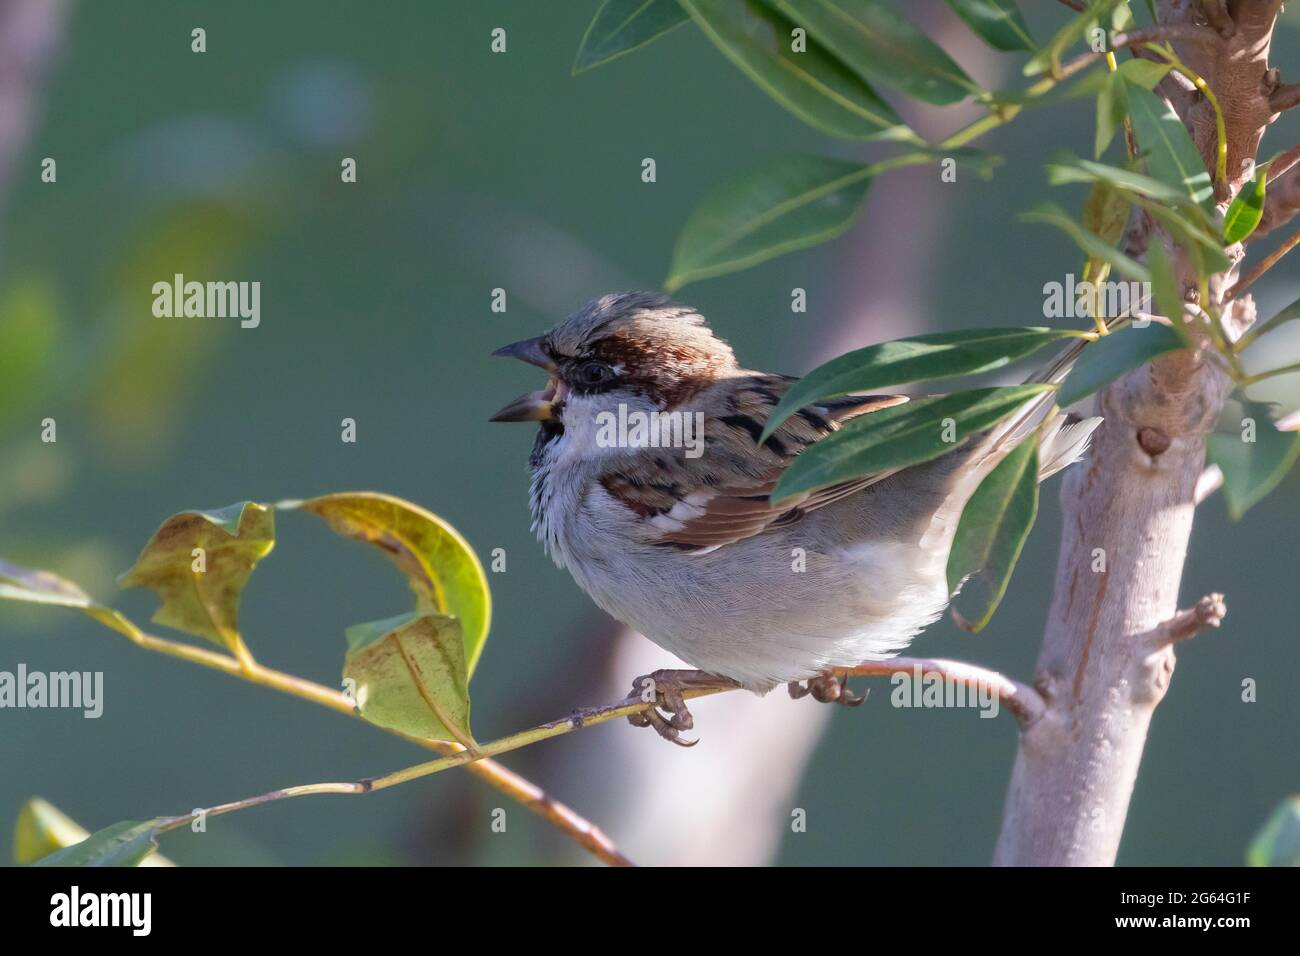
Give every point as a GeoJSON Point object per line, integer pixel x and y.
{"type": "Point", "coordinates": [689, 550]}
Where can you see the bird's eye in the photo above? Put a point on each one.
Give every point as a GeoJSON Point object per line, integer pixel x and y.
{"type": "Point", "coordinates": [591, 374]}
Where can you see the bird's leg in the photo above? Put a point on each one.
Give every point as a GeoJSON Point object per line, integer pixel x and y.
{"type": "Point", "coordinates": [829, 688]}
{"type": "Point", "coordinates": [669, 716]}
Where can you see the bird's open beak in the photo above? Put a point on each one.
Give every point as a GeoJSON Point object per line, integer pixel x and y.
{"type": "Point", "coordinates": [535, 406]}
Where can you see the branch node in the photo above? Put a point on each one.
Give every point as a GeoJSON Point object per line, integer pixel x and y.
{"type": "Point", "coordinates": [1209, 611]}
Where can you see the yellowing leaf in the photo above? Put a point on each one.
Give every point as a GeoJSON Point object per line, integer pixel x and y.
{"type": "Point", "coordinates": [438, 563]}
{"type": "Point", "coordinates": [198, 563]}
{"type": "Point", "coordinates": [408, 673]}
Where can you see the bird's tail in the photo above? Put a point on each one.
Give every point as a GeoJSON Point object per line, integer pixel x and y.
{"type": "Point", "coordinates": [1064, 436]}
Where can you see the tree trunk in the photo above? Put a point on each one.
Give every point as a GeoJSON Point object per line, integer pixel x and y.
{"type": "Point", "coordinates": [1108, 651]}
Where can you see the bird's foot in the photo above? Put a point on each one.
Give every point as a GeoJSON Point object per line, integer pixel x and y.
{"type": "Point", "coordinates": [665, 688]}
{"type": "Point", "coordinates": [829, 688]}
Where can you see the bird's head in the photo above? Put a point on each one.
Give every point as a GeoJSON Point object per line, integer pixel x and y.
{"type": "Point", "coordinates": [636, 349]}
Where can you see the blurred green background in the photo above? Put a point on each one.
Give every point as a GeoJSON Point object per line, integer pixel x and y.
{"type": "Point", "coordinates": [477, 171]}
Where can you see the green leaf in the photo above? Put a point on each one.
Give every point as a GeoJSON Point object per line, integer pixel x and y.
{"type": "Point", "coordinates": [997, 22]}
{"type": "Point", "coordinates": [1106, 212]}
{"type": "Point", "coordinates": [1278, 841]}
{"type": "Point", "coordinates": [913, 359]}
{"type": "Point", "coordinates": [1049, 57]}
{"type": "Point", "coordinates": [1144, 73]}
{"type": "Point", "coordinates": [814, 84]}
{"type": "Point", "coordinates": [1170, 154]}
{"type": "Point", "coordinates": [1091, 243]}
{"type": "Point", "coordinates": [899, 436]}
{"type": "Point", "coordinates": [1247, 208]}
{"type": "Point", "coordinates": [122, 844]}
{"type": "Point", "coordinates": [784, 205]}
{"type": "Point", "coordinates": [409, 675]}
{"type": "Point", "coordinates": [882, 47]}
{"type": "Point", "coordinates": [1114, 355]}
{"type": "Point", "coordinates": [1204, 249]}
{"type": "Point", "coordinates": [200, 592]}
{"type": "Point", "coordinates": [1112, 107]}
{"type": "Point", "coordinates": [992, 531]}
{"type": "Point", "coordinates": [1068, 169]}
{"type": "Point", "coordinates": [1165, 287]}
{"type": "Point", "coordinates": [42, 829]}
{"type": "Point", "coordinates": [621, 26]}
{"type": "Point", "coordinates": [439, 565]}
{"type": "Point", "coordinates": [1253, 460]}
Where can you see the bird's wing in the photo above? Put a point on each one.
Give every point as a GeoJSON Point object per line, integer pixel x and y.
{"type": "Point", "coordinates": [721, 496]}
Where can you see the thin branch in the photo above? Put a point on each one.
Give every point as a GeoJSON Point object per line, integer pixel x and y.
{"type": "Point", "coordinates": [1025, 703]}
{"type": "Point", "coordinates": [586, 834]}
{"type": "Point", "coordinates": [1269, 262]}
{"type": "Point", "coordinates": [1209, 611]}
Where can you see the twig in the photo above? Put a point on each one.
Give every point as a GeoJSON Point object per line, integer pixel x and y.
{"type": "Point", "coordinates": [1025, 703]}
{"type": "Point", "coordinates": [1269, 262]}
{"type": "Point", "coordinates": [586, 834]}
{"type": "Point", "coordinates": [1209, 611]}
{"type": "Point", "coordinates": [1285, 97]}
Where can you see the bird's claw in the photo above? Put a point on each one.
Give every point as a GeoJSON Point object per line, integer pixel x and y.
{"type": "Point", "coordinates": [669, 716]}
{"type": "Point", "coordinates": [828, 688]}
{"type": "Point", "coordinates": [665, 690]}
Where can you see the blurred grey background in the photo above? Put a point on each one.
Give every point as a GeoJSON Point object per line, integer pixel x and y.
{"type": "Point", "coordinates": [478, 171]}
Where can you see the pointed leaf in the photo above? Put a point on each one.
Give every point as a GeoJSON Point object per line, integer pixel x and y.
{"type": "Point", "coordinates": [122, 844]}
{"type": "Point", "coordinates": [814, 84]}
{"type": "Point", "coordinates": [782, 206]}
{"type": "Point", "coordinates": [621, 26]}
{"type": "Point", "coordinates": [1278, 841]}
{"type": "Point", "coordinates": [997, 22]}
{"type": "Point", "coordinates": [1165, 287]}
{"type": "Point", "coordinates": [882, 47]}
{"type": "Point", "coordinates": [1167, 147]}
{"type": "Point", "coordinates": [1247, 208]}
{"type": "Point", "coordinates": [439, 565]}
{"type": "Point", "coordinates": [1068, 169]}
{"type": "Point", "coordinates": [1254, 459]}
{"type": "Point", "coordinates": [1049, 56]}
{"type": "Point", "coordinates": [200, 592]}
{"type": "Point", "coordinates": [409, 675]}
{"type": "Point", "coordinates": [914, 359]}
{"type": "Point", "coordinates": [1112, 107]}
{"type": "Point", "coordinates": [42, 829]}
{"type": "Point", "coordinates": [1091, 243]}
{"type": "Point", "coordinates": [1114, 355]}
{"type": "Point", "coordinates": [992, 531]}
{"type": "Point", "coordinates": [899, 436]}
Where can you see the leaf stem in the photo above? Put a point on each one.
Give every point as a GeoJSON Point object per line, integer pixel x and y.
{"type": "Point", "coordinates": [1220, 128]}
